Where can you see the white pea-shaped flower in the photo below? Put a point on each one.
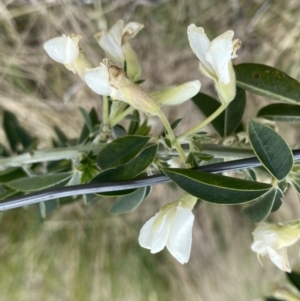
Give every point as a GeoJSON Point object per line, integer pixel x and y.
{"type": "Point", "coordinates": [110, 80]}
{"type": "Point", "coordinates": [273, 240]}
{"type": "Point", "coordinates": [115, 43]}
{"type": "Point", "coordinates": [215, 59]}
{"type": "Point", "coordinates": [171, 227]}
{"type": "Point", "coordinates": [66, 50]}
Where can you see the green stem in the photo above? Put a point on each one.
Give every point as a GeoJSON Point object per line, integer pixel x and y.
{"type": "Point", "coordinates": [203, 123]}
{"type": "Point", "coordinates": [218, 151]}
{"type": "Point", "coordinates": [105, 110]}
{"type": "Point", "coordinates": [172, 137]}
{"type": "Point", "coordinates": [121, 116]}
{"type": "Point", "coordinates": [48, 155]}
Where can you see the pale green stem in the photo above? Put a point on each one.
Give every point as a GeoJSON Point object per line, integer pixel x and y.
{"type": "Point", "coordinates": [217, 150]}
{"type": "Point", "coordinates": [116, 109]}
{"type": "Point", "coordinates": [203, 123]}
{"type": "Point", "coordinates": [121, 116]}
{"type": "Point", "coordinates": [172, 137]}
{"type": "Point", "coordinates": [105, 111]}
{"type": "Point", "coordinates": [70, 153]}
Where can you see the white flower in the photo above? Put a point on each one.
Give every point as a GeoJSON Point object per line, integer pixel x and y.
{"type": "Point", "coordinates": [272, 240]}
{"type": "Point", "coordinates": [109, 79]}
{"type": "Point", "coordinates": [117, 48]}
{"type": "Point", "coordinates": [171, 227]}
{"type": "Point", "coordinates": [65, 50]}
{"type": "Point", "coordinates": [215, 59]}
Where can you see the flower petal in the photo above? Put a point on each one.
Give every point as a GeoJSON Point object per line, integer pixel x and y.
{"type": "Point", "coordinates": [111, 43]}
{"type": "Point", "coordinates": [180, 237]}
{"type": "Point", "coordinates": [162, 231]}
{"type": "Point", "coordinates": [116, 31]}
{"type": "Point", "coordinates": [218, 55]}
{"type": "Point", "coordinates": [177, 94]}
{"type": "Point", "coordinates": [280, 259]}
{"type": "Point", "coordinates": [199, 43]}
{"type": "Point", "coordinates": [63, 49]}
{"type": "Point", "coordinates": [98, 80]}
{"type": "Point", "coordinates": [146, 234]}
{"type": "Point", "coordinates": [130, 31]}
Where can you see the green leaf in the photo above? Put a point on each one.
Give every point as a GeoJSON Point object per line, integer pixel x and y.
{"type": "Point", "coordinates": [62, 138]}
{"type": "Point", "coordinates": [277, 200]}
{"type": "Point", "coordinates": [228, 121]}
{"type": "Point", "coordinates": [85, 132]}
{"type": "Point", "coordinates": [271, 150]}
{"type": "Point", "coordinates": [17, 137]}
{"type": "Point", "coordinates": [9, 193]}
{"type": "Point", "coordinates": [216, 188]}
{"type": "Point", "coordinates": [87, 118]}
{"type": "Point", "coordinates": [127, 171]}
{"type": "Point", "coordinates": [273, 299]}
{"type": "Point", "coordinates": [129, 201]}
{"type": "Point", "coordinates": [45, 208]}
{"type": "Point", "coordinates": [130, 170]}
{"type": "Point", "coordinates": [281, 112]}
{"type": "Point", "coordinates": [203, 156]}
{"type": "Point", "coordinates": [121, 150]}
{"type": "Point", "coordinates": [11, 174]}
{"type": "Point", "coordinates": [175, 123]}
{"type": "Point", "coordinates": [294, 278]}
{"type": "Point", "coordinates": [267, 81]}
{"type": "Point", "coordinates": [39, 182]}
{"type": "Point", "coordinates": [134, 124]}
{"type": "Point", "coordinates": [262, 208]}
{"type": "Point", "coordinates": [119, 131]}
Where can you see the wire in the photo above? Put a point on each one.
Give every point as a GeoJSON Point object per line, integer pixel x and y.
{"type": "Point", "coordinates": [54, 193]}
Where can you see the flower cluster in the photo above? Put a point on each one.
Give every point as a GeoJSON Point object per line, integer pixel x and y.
{"type": "Point", "coordinates": [172, 225]}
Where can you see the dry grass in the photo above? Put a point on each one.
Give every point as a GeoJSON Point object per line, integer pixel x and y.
{"type": "Point", "coordinates": [83, 253]}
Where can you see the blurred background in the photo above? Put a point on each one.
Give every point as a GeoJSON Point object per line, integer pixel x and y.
{"type": "Point", "coordinates": [82, 252]}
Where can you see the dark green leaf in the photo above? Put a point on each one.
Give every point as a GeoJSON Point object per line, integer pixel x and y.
{"type": "Point", "coordinates": [11, 174]}
{"type": "Point", "coordinates": [9, 193]}
{"type": "Point", "coordinates": [62, 138]}
{"type": "Point", "coordinates": [227, 122]}
{"type": "Point", "coordinates": [273, 299]}
{"type": "Point", "coordinates": [267, 81]}
{"type": "Point", "coordinates": [87, 118]}
{"type": "Point", "coordinates": [119, 131]}
{"type": "Point", "coordinates": [85, 132]}
{"type": "Point", "coordinates": [121, 151]}
{"type": "Point", "coordinates": [132, 118]}
{"type": "Point", "coordinates": [281, 112]}
{"type": "Point", "coordinates": [129, 201]}
{"type": "Point", "coordinates": [261, 208]}
{"type": "Point", "coordinates": [130, 170]}
{"type": "Point", "coordinates": [277, 200]}
{"type": "Point", "coordinates": [39, 182]}
{"type": "Point", "coordinates": [127, 171]}
{"type": "Point", "coordinates": [140, 81]}
{"type": "Point", "coordinates": [144, 129]}
{"type": "Point", "coordinates": [294, 278]}
{"type": "Point", "coordinates": [175, 123]}
{"type": "Point", "coordinates": [216, 188]}
{"type": "Point", "coordinates": [203, 156]}
{"type": "Point", "coordinates": [271, 150]}
{"type": "Point", "coordinates": [134, 124]}
{"type": "Point", "coordinates": [18, 138]}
